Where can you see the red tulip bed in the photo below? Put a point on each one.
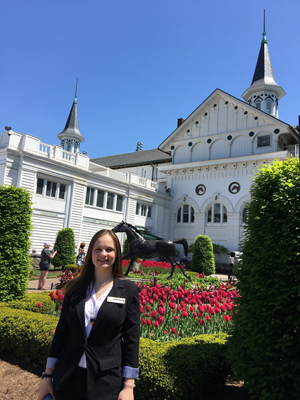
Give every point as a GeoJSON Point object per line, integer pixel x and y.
{"type": "Point", "coordinates": [170, 314]}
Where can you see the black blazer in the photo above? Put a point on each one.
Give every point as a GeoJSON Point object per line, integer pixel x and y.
{"type": "Point", "coordinates": [113, 341]}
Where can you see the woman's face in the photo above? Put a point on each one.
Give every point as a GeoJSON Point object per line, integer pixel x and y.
{"type": "Point", "coordinates": [104, 253]}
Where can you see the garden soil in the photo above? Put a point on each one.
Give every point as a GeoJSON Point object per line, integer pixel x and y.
{"type": "Point", "coordinates": [21, 379]}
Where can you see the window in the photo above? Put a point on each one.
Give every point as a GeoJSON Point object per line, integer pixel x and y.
{"type": "Point", "coordinates": [49, 188]}
{"type": "Point", "coordinates": [217, 214]}
{"type": "Point", "coordinates": [258, 105]}
{"type": "Point", "coordinates": [62, 191]}
{"type": "Point", "coordinates": [89, 198]}
{"type": "Point", "coordinates": [39, 186]}
{"type": "Point", "coordinates": [263, 141]}
{"type": "Point", "coordinates": [100, 198]}
{"type": "Point", "coordinates": [110, 201]}
{"type": "Point", "coordinates": [185, 214]}
{"type": "Point", "coordinates": [119, 206]}
{"type": "Point", "coordinates": [269, 105]}
{"type": "Point", "coordinates": [143, 210]}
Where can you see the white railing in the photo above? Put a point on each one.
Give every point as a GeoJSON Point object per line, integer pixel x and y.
{"type": "Point", "coordinates": [135, 179]}
{"type": "Point", "coordinates": [68, 156]}
{"type": "Point", "coordinates": [293, 149]}
{"type": "Point", "coordinates": [44, 148]}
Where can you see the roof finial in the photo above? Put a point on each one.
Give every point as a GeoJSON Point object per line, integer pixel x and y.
{"type": "Point", "coordinates": [75, 98]}
{"type": "Point", "coordinates": [264, 40]}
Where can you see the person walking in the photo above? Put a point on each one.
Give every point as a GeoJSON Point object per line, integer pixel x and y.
{"type": "Point", "coordinates": [80, 256]}
{"type": "Point", "coordinates": [46, 257]}
{"type": "Point", "coordinates": [94, 353]}
{"type": "Point", "coordinates": [232, 262]}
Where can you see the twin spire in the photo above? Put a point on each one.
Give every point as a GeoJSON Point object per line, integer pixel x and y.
{"type": "Point", "coordinates": [70, 137]}
{"type": "Point", "coordinates": [263, 88]}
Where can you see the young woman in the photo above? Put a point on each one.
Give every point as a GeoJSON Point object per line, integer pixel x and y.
{"type": "Point", "coordinates": [46, 257]}
{"type": "Point", "coordinates": [94, 353]}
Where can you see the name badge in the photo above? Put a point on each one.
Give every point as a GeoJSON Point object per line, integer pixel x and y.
{"type": "Point", "coordinates": [118, 300]}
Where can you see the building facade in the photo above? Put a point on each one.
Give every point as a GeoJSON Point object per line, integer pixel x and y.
{"type": "Point", "coordinates": [196, 182]}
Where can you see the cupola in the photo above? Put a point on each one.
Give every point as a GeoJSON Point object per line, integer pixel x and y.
{"type": "Point", "coordinates": [70, 137]}
{"type": "Point", "coordinates": [264, 93]}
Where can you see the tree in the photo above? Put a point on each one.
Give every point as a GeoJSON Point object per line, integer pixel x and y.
{"type": "Point", "coordinates": [264, 347]}
{"type": "Point", "coordinates": [203, 256]}
{"type": "Point", "coordinates": [15, 227]}
{"type": "Point", "coordinates": [65, 245]}
{"type": "Point", "coordinates": [125, 247]}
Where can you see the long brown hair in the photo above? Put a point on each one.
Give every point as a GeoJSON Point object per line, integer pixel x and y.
{"type": "Point", "coordinates": [80, 285]}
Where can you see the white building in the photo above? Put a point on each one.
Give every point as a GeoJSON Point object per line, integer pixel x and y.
{"type": "Point", "coordinates": [196, 182]}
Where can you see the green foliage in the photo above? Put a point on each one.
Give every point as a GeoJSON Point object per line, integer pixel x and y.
{"type": "Point", "coordinates": [15, 212]}
{"type": "Point", "coordinates": [217, 248]}
{"type": "Point", "coordinates": [26, 334]}
{"type": "Point", "coordinates": [65, 245]}
{"type": "Point", "coordinates": [30, 303]}
{"type": "Point", "coordinates": [72, 267]}
{"type": "Point", "coordinates": [203, 256]}
{"type": "Point", "coordinates": [125, 247]}
{"type": "Point", "coordinates": [183, 370]}
{"type": "Point", "coordinates": [265, 347]}
{"type": "Point", "coordinates": [178, 279]}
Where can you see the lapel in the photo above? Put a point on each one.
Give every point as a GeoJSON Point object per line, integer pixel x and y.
{"type": "Point", "coordinates": [118, 290]}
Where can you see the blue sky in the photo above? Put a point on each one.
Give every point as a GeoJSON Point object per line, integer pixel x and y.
{"type": "Point", "coordinates": [140, 64]}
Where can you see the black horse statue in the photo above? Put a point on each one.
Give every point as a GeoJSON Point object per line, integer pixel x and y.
{"type": "Point", "coordinates": [142, 248]}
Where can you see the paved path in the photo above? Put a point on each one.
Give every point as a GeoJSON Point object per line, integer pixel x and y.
{"type": "Point", "coordinates": [32, 286]}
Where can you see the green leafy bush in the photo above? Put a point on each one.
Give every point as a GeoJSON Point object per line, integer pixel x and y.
{"type": "Point", "coordinates": [265, 347]}
{"type": "Point", "coordinates": [65, 245]}
{"type": "Point", "coordinates": [15, 212]}
{"type": "Point", "coordinates": [203, 256]}
{"type": "Point", "coordinates": [72, 267]}
{"type": "Point", "coordinates": [26, 334]}
{"type": "Point", "coordinates": [30, 303]}
{"type": "Point", "coordinates": [125, 247]}
{"type": "Point", "coordinates": [183, 370]}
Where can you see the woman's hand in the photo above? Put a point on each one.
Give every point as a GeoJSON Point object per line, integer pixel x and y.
{"type": "Point", "coordinates": [126, 394]}
{"type": "Point", "coordinates": [46, 387]}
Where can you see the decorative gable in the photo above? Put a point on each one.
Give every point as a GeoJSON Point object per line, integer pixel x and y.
{"type": "Point", "coordinates": [222, 127]}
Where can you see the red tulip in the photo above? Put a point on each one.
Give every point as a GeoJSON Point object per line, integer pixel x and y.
{"type": "Point", "coordinates": [201, 322]}
{"type": "Point", "coordinates": [207, 318]}
{"type": "Point", "coordinates": [39, 305]}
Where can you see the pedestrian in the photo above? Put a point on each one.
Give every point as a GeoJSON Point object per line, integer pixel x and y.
{"type": "Point", "coordinates": [46, 257]}
{"type": "Point", "coordinates": [80, 256]}
{"type": "Point", "coordinates": [94, 353]}
{"type": "Point", "coordinates": [232, 262]}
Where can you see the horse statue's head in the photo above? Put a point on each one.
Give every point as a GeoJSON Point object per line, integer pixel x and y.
{"type": "Point", "coordinates": [121, 227]}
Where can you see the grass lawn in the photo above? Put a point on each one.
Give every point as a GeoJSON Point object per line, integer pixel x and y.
{"type": "Point", "coordinates": [51, 274]}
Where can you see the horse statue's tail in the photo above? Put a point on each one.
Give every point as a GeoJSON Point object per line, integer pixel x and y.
{"type": "Point", "coordinates": [185, 245]}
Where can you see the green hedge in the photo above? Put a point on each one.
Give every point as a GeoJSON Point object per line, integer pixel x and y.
{"type": "Point", "coordinates": [26, 334]}
{"type": "Point", "coordinates": [182, 370]}
{"type": "Point", "coordinates": [30, 303]}
{"type": "Point", "coordinates": [203, 256]}
{"type": "Point", "coordinates": [15, 227]}
{"type": "Point", "coordinates": [65, 246]}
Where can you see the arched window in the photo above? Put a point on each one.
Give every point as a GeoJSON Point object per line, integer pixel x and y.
{"type": "Point", "coordinates": [269, 105]}
{"type": "Point", "coordinates": [258, 104]}
{"type": "Point", "coordinates": [244, 213]}
{"type": "Point", "coordinates": [217, 214]}
{"type": "Point", "coordinates": [185, 214]}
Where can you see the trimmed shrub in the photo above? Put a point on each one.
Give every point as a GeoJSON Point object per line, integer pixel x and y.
{"type": "Point", "coordinates": [15, 212]}
{"type": "Point", "coordinates": [203, 256]}
{"type": "Point", "coordinates": [265, 347]}
{"type": "Point", "coordinates": [65, 245]}
{"type": "Point", "coordinates": [30, 303]}
{"type": "Point", "coordinates": [26, 334]}
{"type": "Point", "coordinates": [125, 247]}
{"type": "Point", "coordinates": [182, 370]}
